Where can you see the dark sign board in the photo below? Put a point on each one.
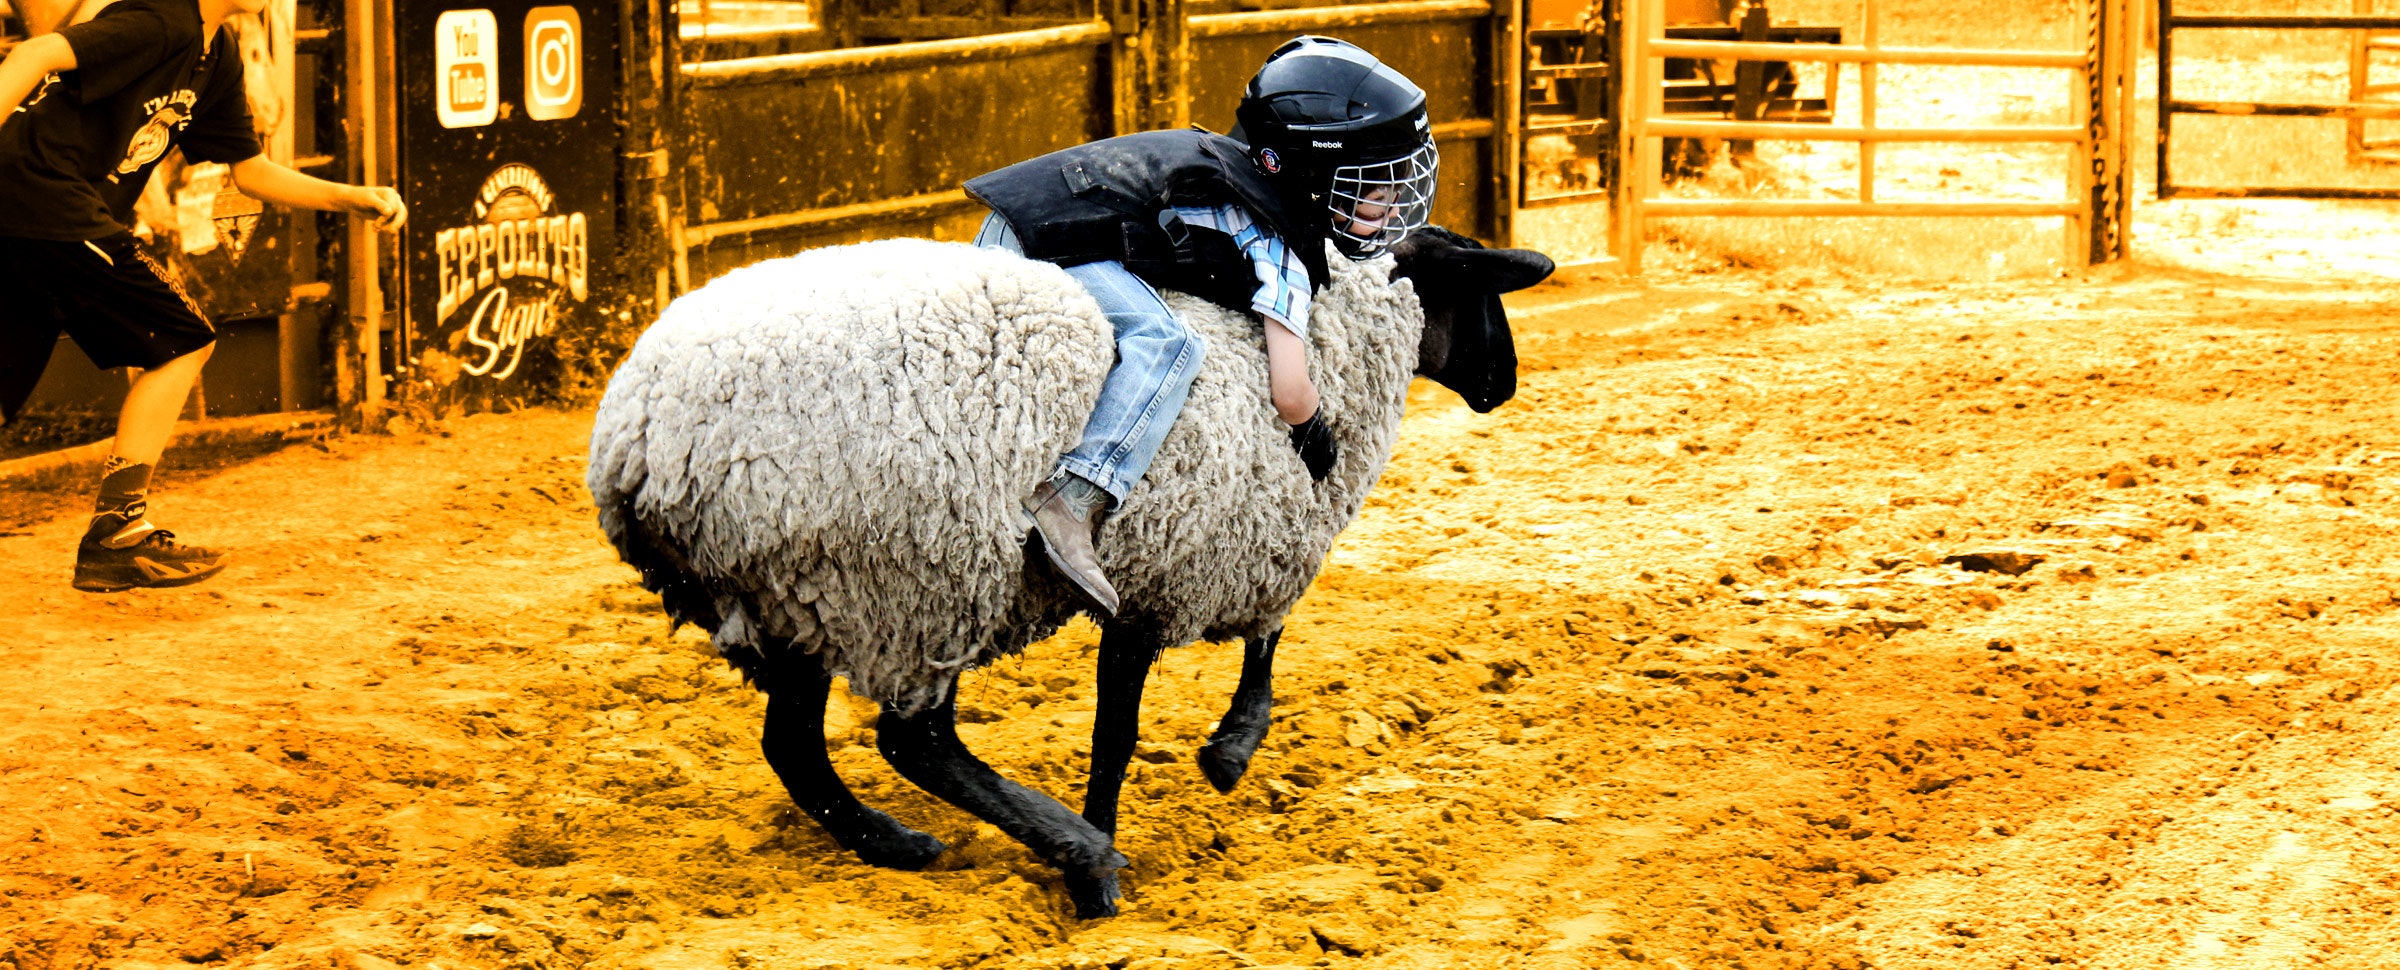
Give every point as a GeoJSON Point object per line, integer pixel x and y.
{"type": "Point", "coordinates": [508, 148]}
{"type": "Point", "coordinates": [242, 266]}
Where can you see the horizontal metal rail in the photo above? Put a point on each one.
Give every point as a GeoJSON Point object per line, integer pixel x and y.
{"type": "Point", "coordinates": [691, 33]}
{"type": "Point", "coordinates": [834, 219]}
{"type": "Point", "coordinates": [2283, 23]}
{"type": "Point", "coordinates": [918, 55]}
{"type": "Point", "coordinates": [1809, 132]}
{"type": "Point", "coordinates": [1464, 130]}
{"type": "Point", "coordinates": [2269, 192]}
{"type": "Point", "coordinates": [2349, 109]}
{"type": "Point", "coordinates": [1587, 126]}
{"type": "Point", "coordinates": [1854, 54]}
{"type": "Point", "coordinates": [932, 204]}
{"type": "Point", "coordinates": [1539, 71]}
{"type": "Point", "coordinates": [943, 27]}
{"type": "Point", "coordinates": [1775, 35]}
{"type": "Point", "coordinates": [1330, 18]}
{"type": "Point", "coordinates": [1567, 198]}
{"type": "Point", "coordinates": [1836, 207]}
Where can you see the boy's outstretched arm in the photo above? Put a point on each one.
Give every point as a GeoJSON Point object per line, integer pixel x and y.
{"type": "Point", "coordinates": [1287, 374]}
{"type": "Point", "coordinates": [27, 65]}
{"type": "Point", "coordinates": [263, 179]}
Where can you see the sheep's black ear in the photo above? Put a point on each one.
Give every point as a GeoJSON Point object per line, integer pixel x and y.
{"type": "Point", "coordinates": [1447, 262]}
{"type": "Point", "coordinates": [1500, 270]}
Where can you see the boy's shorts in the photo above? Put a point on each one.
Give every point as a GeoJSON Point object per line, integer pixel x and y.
{"type": "Point", "coordinates": [121, 307]}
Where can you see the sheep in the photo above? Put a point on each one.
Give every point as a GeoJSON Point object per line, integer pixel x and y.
{"type": "Point", "coordinates": [820, 460]}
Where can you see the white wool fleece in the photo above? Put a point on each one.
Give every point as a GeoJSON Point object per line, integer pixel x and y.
{"type": "Point", "coordinates": [840, 443]}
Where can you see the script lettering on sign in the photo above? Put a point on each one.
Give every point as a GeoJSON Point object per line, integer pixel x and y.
{"type": "Point", "coordinates": [512, 272]}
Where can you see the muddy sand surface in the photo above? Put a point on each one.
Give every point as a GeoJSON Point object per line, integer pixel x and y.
{"type": "Point", "coordinates": [1776, 624]}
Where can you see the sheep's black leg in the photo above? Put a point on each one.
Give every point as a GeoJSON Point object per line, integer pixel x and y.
{"type": "Point", "coordinates": [1227, 754]}
{"type": "Point", "coordinates": [1127, 649]}
{"type": "Point", "coordinates": [794, 742]}
{"type": "Point", "coordinates": [924, 747]}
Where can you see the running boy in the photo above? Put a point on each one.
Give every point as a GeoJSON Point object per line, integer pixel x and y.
{"type": "Point", "coordinates": [85, 114]}
{"type": "Point", "coordinates": [1328, 143]}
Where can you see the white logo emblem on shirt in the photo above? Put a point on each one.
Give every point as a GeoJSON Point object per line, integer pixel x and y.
{"type": "Point", "coordinates": [168, 116]}
{"type": "Point", "coordinates": [40, 91]}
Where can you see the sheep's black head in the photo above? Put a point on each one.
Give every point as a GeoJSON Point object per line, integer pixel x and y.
{"type": "Point", "coordinates": [1467, 346]}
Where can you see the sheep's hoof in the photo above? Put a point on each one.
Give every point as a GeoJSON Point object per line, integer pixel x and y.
{"type": "Point", "coordinates": [1225, 759]}
{"type": "Point", "coordinates": [900, 847]}
{"type": "Point", "coordinates": [1095, 896]}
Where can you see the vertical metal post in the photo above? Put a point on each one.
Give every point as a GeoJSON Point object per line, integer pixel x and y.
{"type": "Point", "coordinates": [1126, 96]}
{"type": "Point", "coordinates": [663, 34]}
{"type": "Point", "coordinates": [1612, 94]}
{"type": "Point", "coordinates": [1508, 109]}
{"type": "Point", "coordinates": [2083, 157]}
{"type": "Point", "coordinates": [2165, 186]}
{"type": "Point", "coordinates": [679, 133]}
{"type": "Point", "coordinates": [1749, 80]}
{"type": "Point", "coordinates": [2357, 134]}
{"type": "Point", "coordinates": [1637, 155]}
{"type": "Point", "coordinates": [1150, 63]}
{"type": "Point", "coordinates": [1652, 71]}
{"type": "Point", "coordinates": [1171, 22]}
{"type": "Point", "coordinates": [1866, 104]}
{"type": "Point", "coordinates": [644, 228]}
{"type": "Point", "coordinates": [293, 376]}
{"type": "Point", "coordinates": [365, 291]}
{"type": "Point", "coordinates": [2112, 208]}
{"type": "Point", "coordinates": [2129, 99]}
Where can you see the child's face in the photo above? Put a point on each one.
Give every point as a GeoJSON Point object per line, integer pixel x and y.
{"type": "Point", "coordinates": [1366, 218]}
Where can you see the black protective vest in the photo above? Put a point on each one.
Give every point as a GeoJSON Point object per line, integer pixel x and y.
{"type": "Point", "coordinates": [1114, 199]}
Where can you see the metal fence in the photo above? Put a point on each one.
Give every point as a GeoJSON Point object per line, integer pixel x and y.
{"type": "Point", "coordinates": [788, 151]}
{"type": "Point", "coordinates": [783, 152]}
{"type": "Point", "coordinates": [2357, 110]}
{"type": "Point", "coordinates": [2096, 206]}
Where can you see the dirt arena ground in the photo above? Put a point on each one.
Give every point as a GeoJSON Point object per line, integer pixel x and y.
{"type": "Point", "coordinates": [1781, 622]}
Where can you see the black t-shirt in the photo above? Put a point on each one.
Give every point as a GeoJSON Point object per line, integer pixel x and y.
{"type": "Point", "coordinates": [76, 154]}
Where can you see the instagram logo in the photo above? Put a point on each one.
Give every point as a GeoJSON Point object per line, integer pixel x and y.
{"type": "Point", "coordinates": [553, 63]}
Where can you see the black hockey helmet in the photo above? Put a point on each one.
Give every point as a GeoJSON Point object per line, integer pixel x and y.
{"type": "Point", "coordinates": [1334, 126]}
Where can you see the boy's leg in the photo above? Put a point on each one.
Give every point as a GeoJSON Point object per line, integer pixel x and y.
{"type": "Point", "coordinates": [1157, 358]}
{"type": "Point", "coordinates": [124, 311]}
{"type": "Point", "coordinates": [153, 404]}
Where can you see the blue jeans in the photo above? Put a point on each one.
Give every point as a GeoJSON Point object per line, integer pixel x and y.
{"type": "Point", "coordinates": [1157, 357]}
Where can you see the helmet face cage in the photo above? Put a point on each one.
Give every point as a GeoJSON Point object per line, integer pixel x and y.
{"type": "Point", "coordinates": [1377, 205]}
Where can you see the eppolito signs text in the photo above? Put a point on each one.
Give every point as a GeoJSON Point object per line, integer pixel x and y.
{"type": "Point", "coordinates": [513, 270]}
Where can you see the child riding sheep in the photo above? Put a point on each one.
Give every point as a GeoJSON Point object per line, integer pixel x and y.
{"type": "Point", "coordinates": [1328, 144]}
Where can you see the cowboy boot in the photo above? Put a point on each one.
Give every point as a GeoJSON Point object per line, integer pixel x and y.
{"type": "Point", "coordinates": [1067, 528]}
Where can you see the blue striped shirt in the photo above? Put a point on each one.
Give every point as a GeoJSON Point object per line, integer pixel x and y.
{"type": "Point", "coordinates": [1283, 285]}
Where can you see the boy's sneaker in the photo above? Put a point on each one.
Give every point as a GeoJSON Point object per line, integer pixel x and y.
{"type": "Point", "coordinates": [123, 550]}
